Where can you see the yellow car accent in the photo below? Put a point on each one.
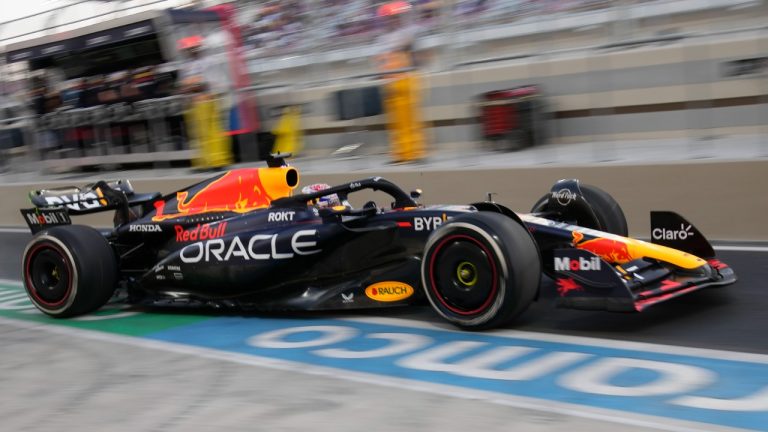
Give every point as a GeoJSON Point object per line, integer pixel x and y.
{"type": "Point", "coordinates": [466, 272]}
{"type": "Point", "coordinates": [389, 291]}
{"type": "Point", "coordinates": [679, 258]}
{"type": "Point", "coordinates": [616, 249]}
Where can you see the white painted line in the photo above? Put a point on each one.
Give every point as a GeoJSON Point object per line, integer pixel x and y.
{"type": "Point", "coordinates": [611, 416]}
{"type": "Point", "coordinates": [741, 248]}
{"type": "Point", "coordinates": [12, 282]}
{"type": "Point", "coordinates": [14, 230]}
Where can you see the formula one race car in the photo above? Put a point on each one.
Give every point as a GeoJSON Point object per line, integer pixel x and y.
{"type": "Point", "coordinates": [244, 239]}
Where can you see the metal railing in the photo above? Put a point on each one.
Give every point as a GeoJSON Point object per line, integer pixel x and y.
{"type": "Point", "coordinates": [76, 137]}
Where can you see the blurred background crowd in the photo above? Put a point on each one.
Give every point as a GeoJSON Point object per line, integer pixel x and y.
{"type": "Point", "coordinates": [119, 87]}
{"type": "Point", "coordinates": [278, 26]}
{"type": "Point", "coordinates": [283, 27]}
{"type": "Point", "coordinates": [524, 72]}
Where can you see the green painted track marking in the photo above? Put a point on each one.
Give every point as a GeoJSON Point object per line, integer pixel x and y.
{"type": "Point", "coordinates": [111, 318]}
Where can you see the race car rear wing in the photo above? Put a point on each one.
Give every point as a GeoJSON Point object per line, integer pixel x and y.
{"type": "Point", "coordinates": [92, 198]}
{"type": "Point", "coordinates": [52, 207]}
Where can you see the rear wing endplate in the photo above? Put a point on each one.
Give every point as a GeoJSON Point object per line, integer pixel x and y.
{"type": "Point", "coordinates": [38, 219]}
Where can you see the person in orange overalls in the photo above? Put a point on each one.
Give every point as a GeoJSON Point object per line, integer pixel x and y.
{"type": "Point", "coordinates": [402, 95]}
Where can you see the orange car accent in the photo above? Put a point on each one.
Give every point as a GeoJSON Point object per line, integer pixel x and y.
{"type": "Point", "coordinates": [102, 201]}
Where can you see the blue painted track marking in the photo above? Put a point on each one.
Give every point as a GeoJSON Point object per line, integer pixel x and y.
{"type": "Point", "coordinates": [706, 387]}
{"type": "Point", "coordinates": [723, 392]}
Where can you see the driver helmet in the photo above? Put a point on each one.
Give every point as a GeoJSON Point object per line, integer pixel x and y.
{"type": "Point", "coordinates": [331, 200]}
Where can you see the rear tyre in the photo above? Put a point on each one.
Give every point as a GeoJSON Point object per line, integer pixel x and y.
{"type": "Point", "coordinates": [69, 271]}
{"type": "Point", "coordinates": [480, 270]}
{"type": "Point", "coordinates": [610, 216]}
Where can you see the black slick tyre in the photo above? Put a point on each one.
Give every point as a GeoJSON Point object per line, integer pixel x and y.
{"type": "Point", "coordinates": [69, 271]}
{"type": "Point", "coordinates": [480, 270]}
{"type": "Point", "coordinates": [610, 216]}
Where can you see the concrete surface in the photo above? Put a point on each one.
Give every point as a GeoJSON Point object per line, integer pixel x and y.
{"type": "Point", "coordinates": [72, 384]}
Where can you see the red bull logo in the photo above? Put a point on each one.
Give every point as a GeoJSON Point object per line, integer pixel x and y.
{"type": "Point", "coordinates": [239, 191]}
{"type": "Point", "coordinates": [200, 232]}
{"type": "Point", "coordinates": [612, 251]}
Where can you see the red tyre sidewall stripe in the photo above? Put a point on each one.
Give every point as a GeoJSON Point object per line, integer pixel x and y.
{"type": "Point", "coordinates": [28, 276]}
{"type": "Point", "coordinates": [433, 285]}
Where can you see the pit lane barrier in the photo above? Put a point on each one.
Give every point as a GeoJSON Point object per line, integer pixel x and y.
{"type": "Point", "coordinates": [723, 198]}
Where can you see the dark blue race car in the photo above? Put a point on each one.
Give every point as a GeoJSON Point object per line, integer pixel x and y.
{"type": "Point", "coordinates": [244, 239]}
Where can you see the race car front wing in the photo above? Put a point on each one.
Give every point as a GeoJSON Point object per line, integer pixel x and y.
{"type": "Point", "coordinates": [585, 281]}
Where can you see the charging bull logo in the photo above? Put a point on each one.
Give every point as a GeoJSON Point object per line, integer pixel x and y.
{"type": "Point", "coordinates": [239, 191]}
{"type": "Point", "coordinates": [619, 250]}
{"type": "Point", "coordinates": [564, 286]}
{"type": "Point", "coordinates": [612, 251]}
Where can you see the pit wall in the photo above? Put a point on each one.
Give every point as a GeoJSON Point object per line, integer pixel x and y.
{"type": "Point", "coordinates": [726, 200]}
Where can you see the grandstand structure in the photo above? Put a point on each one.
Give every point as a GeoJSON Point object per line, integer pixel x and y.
{"type": "Point", "coordinates": [620, 70]}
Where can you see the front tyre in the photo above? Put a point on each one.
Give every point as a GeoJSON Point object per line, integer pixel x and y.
{"type": "Point", "coordinates": [480, 270]}
{"type": "Point", "coordinates": [610, 216]}
{"type": "Point", "coordinates": [69, 271]}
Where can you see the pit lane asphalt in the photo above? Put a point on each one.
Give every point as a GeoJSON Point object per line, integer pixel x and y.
{"type": "Point", "coordinates": [729, 318]}
{"type": "Point", "coordinates": [71, 383]}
